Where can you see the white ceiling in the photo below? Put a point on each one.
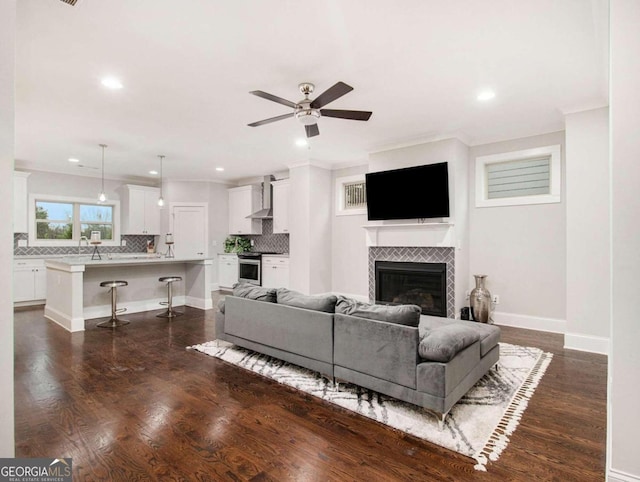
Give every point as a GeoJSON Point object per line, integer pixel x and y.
{"type": "Point", "coordinates": [188, 66]}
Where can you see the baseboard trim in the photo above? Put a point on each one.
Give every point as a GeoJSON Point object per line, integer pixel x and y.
{"type": "Point", "coordinates": [592, 344]}
{"type": "Point", "coordinates": [20, 304]}
{"type": "Point", "coordinates": [619, 476]}
{"type": "Point", "coordinates": [64, 320]}
{"type": "Point", "coordinates": [102, 311]}
{"type": "Point", "coordinates": [200, 303]}
{"type": "Point", "coordinates": [553, 325]}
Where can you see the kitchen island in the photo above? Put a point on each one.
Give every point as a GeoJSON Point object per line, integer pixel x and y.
{"type": "Point", "coordinates": [74, 293]}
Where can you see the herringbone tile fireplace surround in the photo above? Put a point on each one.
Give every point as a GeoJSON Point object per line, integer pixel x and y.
{"type": "Point", "coordinates": [416, 255]}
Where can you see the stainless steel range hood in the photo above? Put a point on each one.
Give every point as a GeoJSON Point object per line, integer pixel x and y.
{"type": "Point", "coordinates": [267, 192]}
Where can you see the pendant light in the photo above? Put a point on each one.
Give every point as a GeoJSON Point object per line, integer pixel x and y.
{"type": "Point", "coordinates": [161, 199]}
{"type": "Point", "coordinates": [102, 197]}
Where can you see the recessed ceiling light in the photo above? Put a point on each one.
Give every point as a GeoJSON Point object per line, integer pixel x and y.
{"type": "Point", "coordinates": [112, 83]}
{"type": "Point", "coordinates": [153, 173]}
{"type": "Point", "coordinates": [219, 169]}
{"type": "Point", "coordinates": [486, 95]}
{"type": "Point", "coordinates": [71, 159]}
{"type": "Point", "coordinates": [301, 142]}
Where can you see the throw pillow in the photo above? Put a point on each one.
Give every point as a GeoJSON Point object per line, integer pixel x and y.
{"type": "Point", "coordinates": [445, 342]}
{"type": "Point", "coordinates": [253, 292]}
{"type": "Point", "coordinates": [326, 303]}
{"type": "Point", "coordinates": [400, 314]}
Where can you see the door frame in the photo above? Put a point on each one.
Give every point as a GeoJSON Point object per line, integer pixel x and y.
{"type": "Point", "coordinates": [182, 204]}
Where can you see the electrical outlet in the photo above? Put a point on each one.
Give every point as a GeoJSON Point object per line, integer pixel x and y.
{"type": "Point", "coordinates": [214, 243]}
{"type": "Point", "coordinates": [252, 243]}
{"type": "Point", "coordinates": [496, 299]}
{"type": "Point", "coordinates": [22, 243]}
{"type": "Point", "coordinates": [123, 242]}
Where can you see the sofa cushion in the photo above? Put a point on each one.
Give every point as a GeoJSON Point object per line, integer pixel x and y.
{"type": "Point", "coordinates": [401, 314]}
{"type": "Point", "coordinates": [326, 303]}
{"type": "Point", "coordinates": [445, 342]}
{"type": "Point", "coordinates": [221, 305]}
{"type": "Point", "coordinates": [253, 292]}
{"type": "Point", "coordinates": [489, 334]}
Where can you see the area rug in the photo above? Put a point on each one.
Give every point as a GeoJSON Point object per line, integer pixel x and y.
{"type": "Point", "coordinates": [478, 426]}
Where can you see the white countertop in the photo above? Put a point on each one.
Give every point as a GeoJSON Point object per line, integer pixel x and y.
{"type": "Point", "coordinates": [276, 255]}
{"type": "Point", "coordinates": [120, 259]}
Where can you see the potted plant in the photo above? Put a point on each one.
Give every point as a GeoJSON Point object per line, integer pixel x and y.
{"type": "Point", "coordinates": [236, 244]}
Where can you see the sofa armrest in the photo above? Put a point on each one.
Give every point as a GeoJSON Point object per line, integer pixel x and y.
{"type": "Point", "coordinates": [377, 348]}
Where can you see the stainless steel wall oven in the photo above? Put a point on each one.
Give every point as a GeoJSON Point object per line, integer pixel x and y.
{"type": "Point", "coordinates": [250, 268]}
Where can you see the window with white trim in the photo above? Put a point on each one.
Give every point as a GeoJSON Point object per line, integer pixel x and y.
{"type": "Point", "coordinates": [63, 221]}
{"type": "Point", "coordinates": [530, 176]}
{"type": "Point", "coordinates": [351, 195]}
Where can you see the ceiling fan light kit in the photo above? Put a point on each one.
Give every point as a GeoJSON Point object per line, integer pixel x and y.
{"type": "Point", "coordinates": [308, 111]}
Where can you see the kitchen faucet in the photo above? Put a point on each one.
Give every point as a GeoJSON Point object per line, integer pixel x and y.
{"type": "Point", "coordinates": [80, 242]}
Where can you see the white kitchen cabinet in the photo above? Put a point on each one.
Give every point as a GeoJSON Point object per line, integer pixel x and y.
{"type": "Point", "coordinates": [227, 270]}
{"type": "Point", "coordinates": [20, 201]}
{"type": "Point", "coordinates": [140, 211]}
{"type": "Point", "coordinates": [275, 272]}
{"type": "Point", "coordinates": [29, 280]}
{"type": "Point", "coordinates": [281, 206]}
{"type": "Point", "coordinates": [243, 201]}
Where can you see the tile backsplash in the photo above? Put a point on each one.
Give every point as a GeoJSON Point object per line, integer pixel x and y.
{"type": "Point", "coordinates": [275, 243]}
{"type": "Point", "coordinates": [135, 244]}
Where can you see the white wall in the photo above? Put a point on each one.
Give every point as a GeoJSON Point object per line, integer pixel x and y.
{"type": "Point", "coordinates": [41, 182]}
{"type": "Point", "coordinates": [456, 154]}
{"type": "Point", "coordinates": [350, 268]}
{"type": "Point", "coordinates": [588, 233]}
{"type": "Point", "coordinates": [624, 358]}
{"type": "Point", "coordinates": [217, 198]}
{"type": "Point", "coordinates": [459, 169]}
{"type": "Point", "coordinates": [7, 83]}
{"type": "Point", "coordinates": [522, 249]}
{"type": "Point", "coordinates": [310, 229]}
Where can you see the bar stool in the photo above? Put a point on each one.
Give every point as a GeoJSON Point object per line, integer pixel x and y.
{"type": "Point", "coordinates": [114, 322]}
{"type": "Point", "coordinates": [170, 313]}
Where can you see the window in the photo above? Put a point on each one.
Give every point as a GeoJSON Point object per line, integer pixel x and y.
{"type": "Point", "coordinates": [95, 217]}
{"type": "Point", "coordinates": [61, 221]}
{"type": "Point", "coordinates": [351, 195]}
{"type": "Point", "coordinates": [531, 176]}
{"type": "Point", "coordinates": [54, 220]}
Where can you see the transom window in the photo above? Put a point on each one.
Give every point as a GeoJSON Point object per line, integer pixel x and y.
{"type": "Point", "coordinates": [351, 195]}
{"type": "Point", "coordinates": [64, 221]}
{"type": "Point", "coordinates": [530, 176]}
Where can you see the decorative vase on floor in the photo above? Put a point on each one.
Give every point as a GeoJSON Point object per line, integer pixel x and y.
{"type": "Point", "coordinates": [480, 299]}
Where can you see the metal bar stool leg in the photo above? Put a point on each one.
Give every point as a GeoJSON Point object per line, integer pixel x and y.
{"type": "Point", "coordinates": [170, 313]}
{"type": "Point", "coordinates": [114, 322]}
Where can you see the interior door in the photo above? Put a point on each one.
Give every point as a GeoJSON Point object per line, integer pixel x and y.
{"type": "Point", "coordinates": [189, 231]}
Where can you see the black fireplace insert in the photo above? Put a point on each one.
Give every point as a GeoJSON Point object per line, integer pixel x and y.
{"type": "Point", "coordinates": [422, 284]}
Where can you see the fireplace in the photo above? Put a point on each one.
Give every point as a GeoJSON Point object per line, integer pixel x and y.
{"type": "Point", "coordinates": [422, 284]}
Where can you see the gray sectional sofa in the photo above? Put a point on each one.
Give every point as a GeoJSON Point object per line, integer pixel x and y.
{"type": "Point", "coordinates": [428, 361]}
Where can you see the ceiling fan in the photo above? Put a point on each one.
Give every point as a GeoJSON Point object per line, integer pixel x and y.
{"type": "Point", "coordinates": [308, 111]}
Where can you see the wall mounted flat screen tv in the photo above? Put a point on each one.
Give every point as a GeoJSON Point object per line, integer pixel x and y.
{"type": "Point", "coordinates": [410, 193]}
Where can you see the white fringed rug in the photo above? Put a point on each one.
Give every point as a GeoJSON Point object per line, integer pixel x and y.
{"type": "Point", "coordinates": [478, 426]}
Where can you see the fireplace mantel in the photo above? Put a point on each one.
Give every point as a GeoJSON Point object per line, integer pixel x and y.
{"type": "Point", "coordinates": [437, 234]}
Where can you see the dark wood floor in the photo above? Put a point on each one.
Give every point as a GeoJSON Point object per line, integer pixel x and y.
{"type": "Point", "coordinates": [133, 404]}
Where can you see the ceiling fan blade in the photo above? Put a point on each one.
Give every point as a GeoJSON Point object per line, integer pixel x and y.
{"type": "Point", "coordinates": [312, 130]}
{"type": "Point", "coordinates": [270, 120]}
{"type": "Point", "coordinates": [360, 115]}
{"type": "Point", "coordinates": [331, 94]}
{"type": "Point", "coordinates": [273, 98]}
